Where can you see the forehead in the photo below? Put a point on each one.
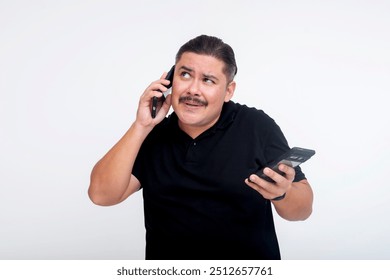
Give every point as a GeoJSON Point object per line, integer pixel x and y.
{"type": "Point", "coordinates": [205, 64]}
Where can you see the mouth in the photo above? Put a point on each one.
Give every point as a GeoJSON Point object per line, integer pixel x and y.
{"type": "Point", "coordinates": [192, 104]}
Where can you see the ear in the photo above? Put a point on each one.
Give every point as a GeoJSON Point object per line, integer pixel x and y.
{"type": "Point", "coordinates": [230, 91]}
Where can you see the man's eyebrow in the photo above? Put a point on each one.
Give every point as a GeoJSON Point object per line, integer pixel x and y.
{"type": "Point", "coordinates": [210, 77]}
{"type": "Point", "coordinates": [207, 76]}
{"type": "Point", "coordinates": [186, 68]}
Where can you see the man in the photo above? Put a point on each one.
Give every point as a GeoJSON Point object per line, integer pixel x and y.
{"type": "Point", "coordinates": [196, 167]}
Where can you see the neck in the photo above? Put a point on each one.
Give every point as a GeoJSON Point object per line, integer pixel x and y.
{"type": "Point", "coordinates": [194, 131]}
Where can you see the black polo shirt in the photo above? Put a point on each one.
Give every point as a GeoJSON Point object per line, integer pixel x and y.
{"type": "Point", "coordinates": [196, 203]}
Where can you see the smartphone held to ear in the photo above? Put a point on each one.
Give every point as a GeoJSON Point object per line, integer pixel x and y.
{"type": "Point", "coordinates": [158, 101]}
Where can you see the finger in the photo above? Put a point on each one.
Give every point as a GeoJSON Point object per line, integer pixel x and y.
{"type": "Point", "coordinates": [165, 107]}
{"type": "Point", "coordinates": [163, 79]}
{"type": "Point", "coordinates": [251, 183]}
{"type": "Point", "coordinates": [167, 102]}
{"type": "Point", "coordinates": [155, 89]}
{"type": "Point", "coordinates": [267, 190]}
{"type": "Point", "coordinates": [259, 184]}
{"type": "Point", "coordinates": [147, 97]}
{"type": "Point", "coordinates": [280, 178]}
{"type": "Point", "coordinates": [275, 176]}
{"type": "Point", "coordinates": [288, 171]}
{"type": "Point", "coordinates": [164, 75]}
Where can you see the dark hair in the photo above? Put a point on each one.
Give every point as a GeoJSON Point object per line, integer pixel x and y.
{"type": "Point", "coordinates": [212, 46]}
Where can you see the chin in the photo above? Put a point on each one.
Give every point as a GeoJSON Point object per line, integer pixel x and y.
{"type": "Point", "coordinates": [189, 118]}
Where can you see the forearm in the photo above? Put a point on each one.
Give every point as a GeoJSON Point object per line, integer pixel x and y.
{"type": "Point", "coordinates": [110, 177]}
{"type": "Point", "coordinates": [298, 202]}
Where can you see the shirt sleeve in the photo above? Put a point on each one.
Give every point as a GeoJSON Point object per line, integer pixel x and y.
{"type": "Point", "coordinates": [276, 145]}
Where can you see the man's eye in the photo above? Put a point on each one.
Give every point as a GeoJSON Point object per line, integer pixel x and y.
{"type": "Point", "coordinates": [185, 74]}
{"type": "Point", "coordinates": [208, 81]}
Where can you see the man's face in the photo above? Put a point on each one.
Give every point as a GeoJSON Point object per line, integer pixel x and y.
{"type": "Point", "coordinates": [199, 90]}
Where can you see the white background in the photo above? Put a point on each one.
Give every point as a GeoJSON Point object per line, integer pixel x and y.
{"type": "Point", "coordinates": [71, 73]}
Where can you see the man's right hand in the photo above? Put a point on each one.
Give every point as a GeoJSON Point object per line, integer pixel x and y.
{"type": "Point", "coordinates": [144, 117]}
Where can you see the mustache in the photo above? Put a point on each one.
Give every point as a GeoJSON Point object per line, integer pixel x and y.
{"type": "Point", "coordinates": [195, 100]}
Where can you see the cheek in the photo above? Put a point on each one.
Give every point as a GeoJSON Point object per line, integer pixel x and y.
{"type": "Point", "coordinates": [216, 96]}
{"type": "Point", "coordinates": [178, 89]}
{"type": "Point", "coordinates": [175, 95]}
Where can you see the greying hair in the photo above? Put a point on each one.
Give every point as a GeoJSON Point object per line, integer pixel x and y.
{"type": "Point", "coordinates": [215, 47]}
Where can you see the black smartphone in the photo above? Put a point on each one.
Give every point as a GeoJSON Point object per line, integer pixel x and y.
{"type": "Point", "coordinates": [158, 101]}
{"type": "Point", "coordinates": [294, 157]}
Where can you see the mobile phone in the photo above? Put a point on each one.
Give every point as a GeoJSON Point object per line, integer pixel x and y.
{"type": "Point", "coordinates": [158, 101]}
{"type": "Point", "coordinates": [294, 157]}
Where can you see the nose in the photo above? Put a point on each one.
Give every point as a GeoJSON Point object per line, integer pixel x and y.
{"type": "Point", "coordinates": [194, 88]}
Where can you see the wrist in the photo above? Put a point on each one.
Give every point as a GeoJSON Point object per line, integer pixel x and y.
{"type": "Point", "coordinates": [139, 130]}
{"type": "Point", "coordinates": [141, 127]}
{"type": "Point", "coordinates": [278, 198]}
